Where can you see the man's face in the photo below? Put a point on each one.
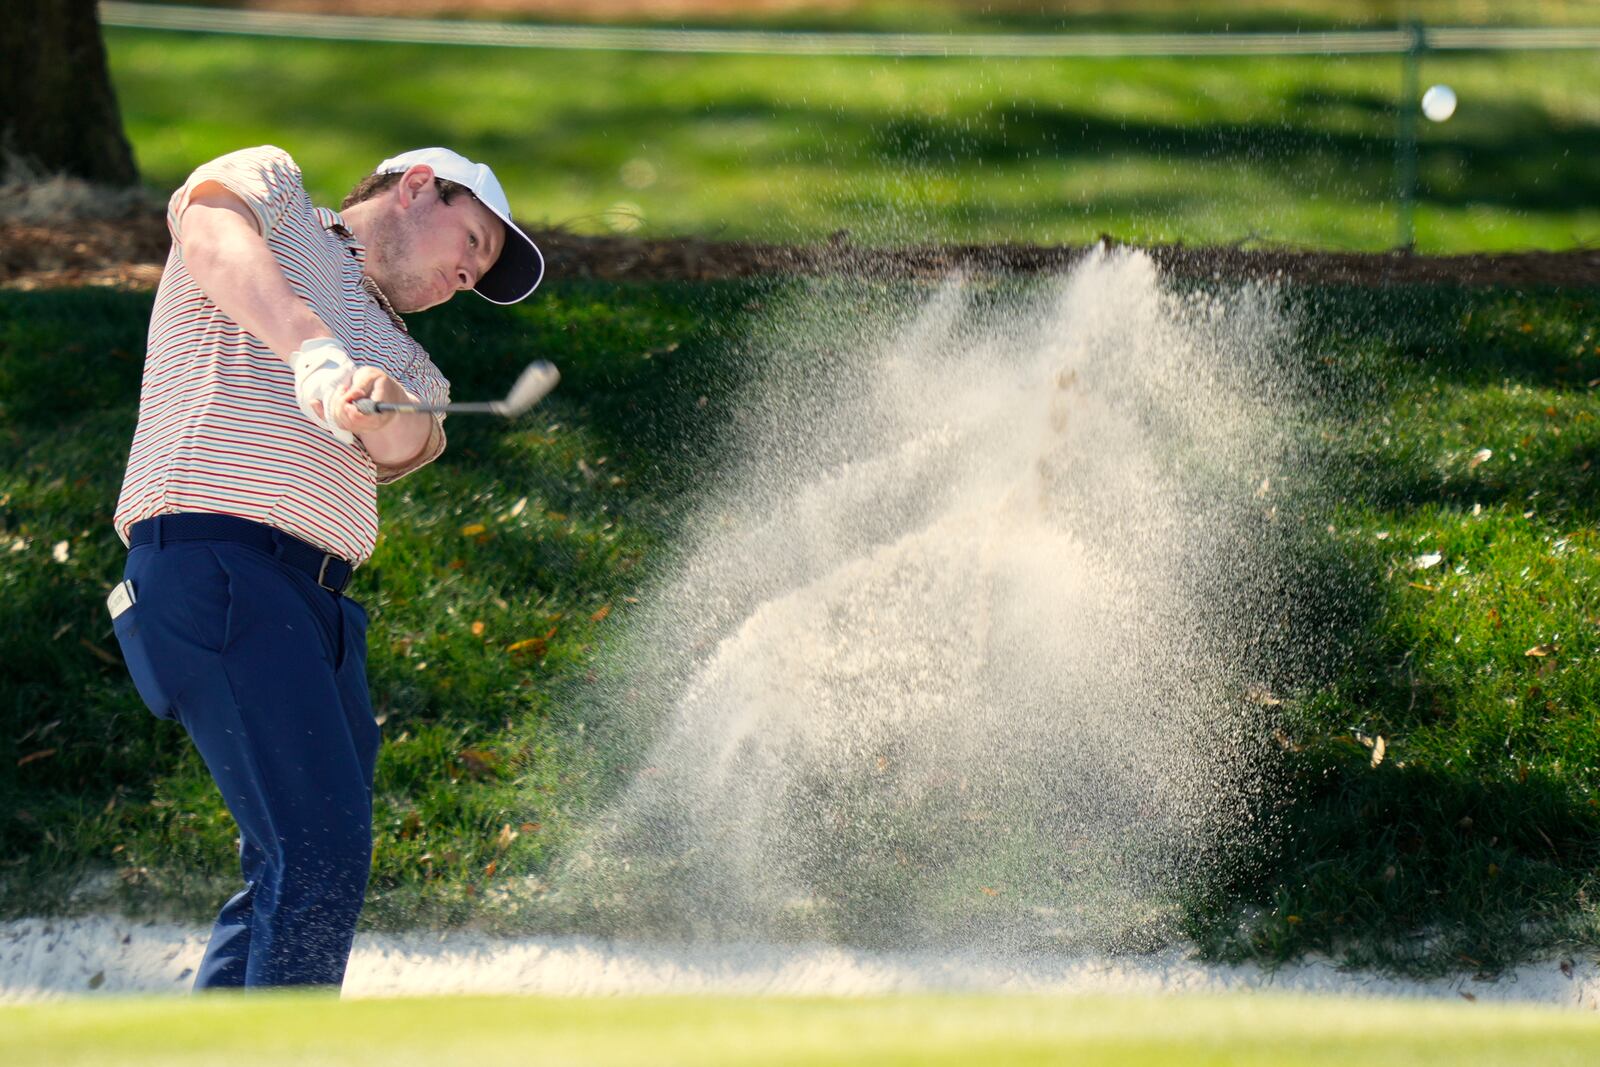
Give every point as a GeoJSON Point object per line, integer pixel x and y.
{"type": "Point", "coordinates": [429, 250]}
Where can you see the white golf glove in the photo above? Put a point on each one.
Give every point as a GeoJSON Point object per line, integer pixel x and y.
{"type": "Point", "coordinates": [321, 372]}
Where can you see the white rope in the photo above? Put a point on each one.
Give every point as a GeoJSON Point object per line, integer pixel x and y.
{"type": "Point", "coordinates": [768, 42]}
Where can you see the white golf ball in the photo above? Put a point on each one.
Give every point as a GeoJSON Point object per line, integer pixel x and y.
{"type": "Point", "coordinates": [1439, 102]}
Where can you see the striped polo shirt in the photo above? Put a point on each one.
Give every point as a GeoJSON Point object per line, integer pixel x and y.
{"type": "Point", "coordinates": [219, 429]}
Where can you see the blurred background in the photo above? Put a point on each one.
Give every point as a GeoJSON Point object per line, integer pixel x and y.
{"type": "Point", "coordinates": [626, 135]}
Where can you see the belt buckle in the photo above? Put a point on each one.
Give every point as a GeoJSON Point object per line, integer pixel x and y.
{"type": "Point", "coordinates": [322, 571]}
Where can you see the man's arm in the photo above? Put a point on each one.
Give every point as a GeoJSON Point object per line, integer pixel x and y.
{"type": "Point", "coordinates": [229, 259]}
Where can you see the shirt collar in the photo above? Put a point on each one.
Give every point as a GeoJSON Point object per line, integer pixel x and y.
{"type": "Point", "coordinates": [333, 222]}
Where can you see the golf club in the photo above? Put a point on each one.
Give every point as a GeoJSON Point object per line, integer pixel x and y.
{"type": "Point", "coordinates": [532, 386]}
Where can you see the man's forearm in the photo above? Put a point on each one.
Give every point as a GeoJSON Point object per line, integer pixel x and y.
{"type": "Point", "coordinates": [400, 442]}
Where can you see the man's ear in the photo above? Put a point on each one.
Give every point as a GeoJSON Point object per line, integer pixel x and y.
{"type": "Point", "coordinates": [415, 185]}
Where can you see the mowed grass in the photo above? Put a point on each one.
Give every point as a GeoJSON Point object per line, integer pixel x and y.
{"type": "Point", "coordinates": [499, 570]}
{"type": "Point", "coordinates": [506, 568]}
{"type": "Point", "coordinates": [1296, 150]}
{"type": "Point", "coordinates": [1267, 1030]}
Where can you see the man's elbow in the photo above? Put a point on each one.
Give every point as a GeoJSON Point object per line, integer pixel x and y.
{"type": "Point", "coordinates": [213, 222]}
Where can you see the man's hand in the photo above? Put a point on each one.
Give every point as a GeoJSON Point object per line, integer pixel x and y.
{"type": "Point", "coordinates": [322, 373]}
{"type": "Point", "coordinates": [391, 439]}
{"type": "Point", "coordinates": [368, 382]}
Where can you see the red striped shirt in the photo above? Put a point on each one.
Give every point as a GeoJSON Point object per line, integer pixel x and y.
{"type": "Point", "coordinates": [219, 430]}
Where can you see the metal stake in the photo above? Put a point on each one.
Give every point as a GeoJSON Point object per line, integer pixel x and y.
{"type": "Point", "coordinates": [1405, 161]}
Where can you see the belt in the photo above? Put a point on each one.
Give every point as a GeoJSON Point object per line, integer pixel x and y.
{"type": "Point", "coordinates": [326, 569]}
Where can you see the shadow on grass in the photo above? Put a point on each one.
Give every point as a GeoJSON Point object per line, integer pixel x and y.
{"type": "Point", "coordinates": [1420, 869]}
{"type": "Point", "coordinates": [1473, 841]}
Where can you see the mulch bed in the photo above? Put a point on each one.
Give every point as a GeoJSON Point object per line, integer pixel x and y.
{"type": "Point", "coordinates": [128, 253]}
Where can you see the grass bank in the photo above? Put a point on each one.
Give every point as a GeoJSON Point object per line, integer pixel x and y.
{"type": "Point", "coordinates": [1461, 492]}
{"type": "Point", "coordinates": [1150, 150]}
{"type": "Point", "coordinates": [1127, 1032]}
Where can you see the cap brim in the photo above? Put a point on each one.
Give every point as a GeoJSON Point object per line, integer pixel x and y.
{"type": "Point", "coordinates": [518, 271]}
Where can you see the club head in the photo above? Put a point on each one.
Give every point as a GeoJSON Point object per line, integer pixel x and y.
{"type": "Point", "coordinates": [532, 386]}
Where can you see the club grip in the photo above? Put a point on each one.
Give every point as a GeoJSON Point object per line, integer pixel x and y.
{"type": "Point", "coordinates": [368, 406]}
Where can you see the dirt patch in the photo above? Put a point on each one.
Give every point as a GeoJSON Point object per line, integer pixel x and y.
{"type": "Point", "coordinates": [584, 10]}
{"type": "Point", "coordinates": [128, 253]}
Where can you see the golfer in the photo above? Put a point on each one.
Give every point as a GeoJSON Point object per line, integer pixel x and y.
{"type": "Point", "coordinates": [251, 497]}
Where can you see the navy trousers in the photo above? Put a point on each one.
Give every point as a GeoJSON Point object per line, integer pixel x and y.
{"type": "Point", "coordinates": [266, 671]}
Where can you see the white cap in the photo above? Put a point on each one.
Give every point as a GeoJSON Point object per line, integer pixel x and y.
{"type": "Point", "coordinates": [516, 274]}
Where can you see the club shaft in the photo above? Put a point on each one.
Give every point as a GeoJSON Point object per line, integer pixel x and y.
{"type": "Point", "coordinates": [368, 407]}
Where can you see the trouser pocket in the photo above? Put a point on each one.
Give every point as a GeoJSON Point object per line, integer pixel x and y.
{"type": "Point", "coordinates": [136, 654]}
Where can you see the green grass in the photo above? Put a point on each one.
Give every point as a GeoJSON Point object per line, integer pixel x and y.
{"type": "Point", "coordinates": [1474, 842]}
{"type": "Point", "coordinates": [1128, 1032]}
{"type": "Point", "coordinates": [1478, 832]}
{"type": "Point", "coordinates": [1288, 150]}
{"type": "Point", "coordinates": [499, 569]}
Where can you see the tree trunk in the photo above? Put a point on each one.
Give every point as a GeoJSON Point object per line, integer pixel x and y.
{"type": "Point", "coordinates": [58, 113]}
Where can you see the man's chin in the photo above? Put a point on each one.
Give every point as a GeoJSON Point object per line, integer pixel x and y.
{"type": "Point", "coordinates": [407, 304]}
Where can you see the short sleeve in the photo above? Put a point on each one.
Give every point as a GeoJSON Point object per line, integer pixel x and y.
{"type": "Point", "coordinates": [267, 179]}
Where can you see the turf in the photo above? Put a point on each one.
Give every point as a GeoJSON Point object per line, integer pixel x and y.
{"type": "Point", "coordinates": [1472, 843]}
{"type": "Point", "coordinates": [1273, 150]}
{"type": "Point", "coordinates": [1127, 1032]}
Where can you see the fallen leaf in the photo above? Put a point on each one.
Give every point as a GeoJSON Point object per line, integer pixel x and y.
{"type": "Point", "coordinates": [1426, 561]}
{"type": "Point", "coordinates": [531, 827]}
{"type": "Point", "coordinates": [1378, 749]}
{"type": "Point", "coordinates": [1286, 742]}
{"type": "Point", "coordinates": [1479, 457]}
{"type": "Point", "coordinates": [601, 614]}
{"type": "Point", "coordinates": [534, 646]}
{"type": "Point", "coordinates": [99, 653]}
{"type": "Point", "coordinates": [516, 509]}
{"type": "Point", "coordinates": [479, 763]}
{"type": "Point", "coordinates": [43, 753]}
{"type": "Point", "coordinates": [1541, 651]}
{"type": "Point", "coordinates": [1470, 997]}
{"type": "Point", "coordinates": [488, 872]}
{"type": "Point", "coordinates": [988, 891]}
{"type": "Point", "coordinates": [473, 529]}
{"type": "Point", "coordinates": [98, 980]}
{"type": "Point", "coordinates": [1292, 920]}
{"type": "Point", "coordinates": [1424, 588]}
{"type": "Point", "coordinates": [507, 835]}
{"type": "Point", "coordinates": [477, 628]}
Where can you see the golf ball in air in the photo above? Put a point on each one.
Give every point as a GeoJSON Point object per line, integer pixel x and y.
{"type": "Point", "coordinates": [1439, 102]}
